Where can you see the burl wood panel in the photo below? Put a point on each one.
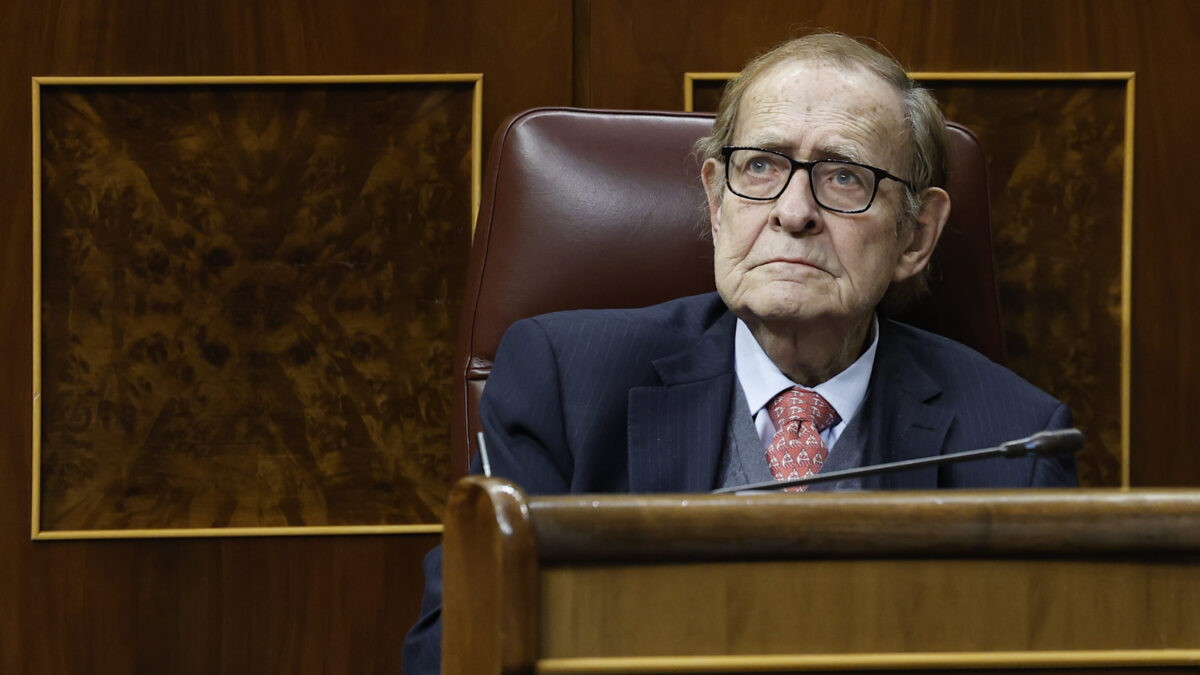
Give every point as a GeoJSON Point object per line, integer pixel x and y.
{"type": "Point", "coordinates": [304, 605]}
{"type": "Point", "coordinates": [1055, 157]}
{"type": "Point", "coordinates": [249, 302]}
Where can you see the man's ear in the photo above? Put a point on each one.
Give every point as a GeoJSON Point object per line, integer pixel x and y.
{"type": "Point", "coordinates": [714, 184]}
{"type": "Point", "coordinates": [923, 235]}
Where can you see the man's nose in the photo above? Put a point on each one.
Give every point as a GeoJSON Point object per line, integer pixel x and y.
{"type": "Point", "coordinates": [796, 211]}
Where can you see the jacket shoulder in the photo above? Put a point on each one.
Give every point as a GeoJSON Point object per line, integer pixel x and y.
{"type": "Point", "coordinates": [962, 371]}
{"type": "Point", "coordinates": [687, 317]}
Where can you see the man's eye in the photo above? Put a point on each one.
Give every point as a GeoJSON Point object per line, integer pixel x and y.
{"type": "Point", "coordinates": [845, 178]}
{"type": "Point", "coordinates": [758, 166]}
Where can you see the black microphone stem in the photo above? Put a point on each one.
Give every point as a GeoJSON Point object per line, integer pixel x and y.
{"type": "Point", "coordinates": [1041, 443]}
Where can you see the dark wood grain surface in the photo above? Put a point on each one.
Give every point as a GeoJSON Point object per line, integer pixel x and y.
{"type": "Point", "coordinates": [1056, 163]}
{"type": "Point", "coordinates": [275, 605]}
{"type": "Point", "coordinates": [970, 576]}
{"type": "Point", "coordinates": [249, 301]}
{"type": "Point", "coordinates": [490, 593]}
{"type": "Point", "coordinates": [341, 605]}
{"type": "Point", "coordinates": [970, 523]}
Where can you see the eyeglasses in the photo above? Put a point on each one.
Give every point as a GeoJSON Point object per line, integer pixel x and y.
{"type": "Point", "coordinates": [837, 185]}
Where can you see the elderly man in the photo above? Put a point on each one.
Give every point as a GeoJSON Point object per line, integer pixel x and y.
{"type": "Point", "coordinates": [822, 174]}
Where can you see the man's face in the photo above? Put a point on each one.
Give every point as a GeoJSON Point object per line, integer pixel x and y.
{"type": "Point", "coordinates": [789, 260]}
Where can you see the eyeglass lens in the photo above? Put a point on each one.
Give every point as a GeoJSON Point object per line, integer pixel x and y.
{"type": "Point", "coordinates": [840, 186]}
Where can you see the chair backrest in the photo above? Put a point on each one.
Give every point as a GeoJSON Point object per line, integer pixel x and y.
{"type": "Point", "coordinates": [596, 209]}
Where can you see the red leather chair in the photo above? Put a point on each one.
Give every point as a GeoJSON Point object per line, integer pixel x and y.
{"type": "Point", "coordinates": [595, 209]}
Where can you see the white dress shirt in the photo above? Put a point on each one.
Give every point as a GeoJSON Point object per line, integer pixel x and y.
{"type": "Point", "coordinates": [761, 380]}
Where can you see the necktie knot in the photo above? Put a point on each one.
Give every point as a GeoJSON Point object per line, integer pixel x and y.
{"type": "Point", "coordinates": [800, 416]}
{"type": "Point", "coordinates": [802, 405]}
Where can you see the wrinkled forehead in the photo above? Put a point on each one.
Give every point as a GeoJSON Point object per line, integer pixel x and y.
{"type": "Point", "coordinates": [795, 102]}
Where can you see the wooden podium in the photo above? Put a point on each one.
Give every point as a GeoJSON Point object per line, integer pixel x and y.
{"type": "Point", "coordinates": [1033, 581]}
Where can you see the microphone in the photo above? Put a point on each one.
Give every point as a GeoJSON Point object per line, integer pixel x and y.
{"type": "Point", "coordinates": [483, 455]}
{"type": "Point", "coordinates": [1045, 443]}
{"type": "Point", "coordinates": [1042, 444]}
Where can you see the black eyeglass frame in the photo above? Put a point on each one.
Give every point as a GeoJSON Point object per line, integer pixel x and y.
{"type": "Point", "coordinates": [880, 174]}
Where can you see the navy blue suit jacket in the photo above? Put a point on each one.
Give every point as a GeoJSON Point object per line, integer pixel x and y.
{"type": "Point", "coordinates": [638, 400]}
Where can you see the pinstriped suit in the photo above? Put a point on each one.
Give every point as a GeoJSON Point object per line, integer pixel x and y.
{"type": "Point", "coordinates": [638, 401]}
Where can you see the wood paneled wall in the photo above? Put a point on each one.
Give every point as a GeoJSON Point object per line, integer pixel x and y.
{"type": "Point", "coordinates": [342, 604]}
{"type": "Point", "coordinates": [264, 605]}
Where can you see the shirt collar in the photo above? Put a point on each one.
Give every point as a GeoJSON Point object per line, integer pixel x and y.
{"type": "Point", "coordinates": [761, 379]}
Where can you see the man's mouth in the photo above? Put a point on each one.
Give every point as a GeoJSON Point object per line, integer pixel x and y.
{"type": "Point", "coordinates": [791, 261]}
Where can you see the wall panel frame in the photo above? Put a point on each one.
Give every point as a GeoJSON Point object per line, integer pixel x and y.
{"type": "Point", "coordinates": [241, 286]}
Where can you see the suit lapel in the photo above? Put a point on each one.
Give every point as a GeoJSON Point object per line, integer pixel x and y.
{"type": "Point", "coordinates": [676, 430]}
{"type": "Point", "coordinates": [908, 416]}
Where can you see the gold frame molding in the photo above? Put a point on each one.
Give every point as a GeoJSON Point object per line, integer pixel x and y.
{"type": "Point", "coordinates": [689, 86]}
{"type": "Point", "coordinates": [690, 80]}
{"type": "Point", "coordinates": [36, 533]}
{"type": "Point", "coordinates": [1115, 658]}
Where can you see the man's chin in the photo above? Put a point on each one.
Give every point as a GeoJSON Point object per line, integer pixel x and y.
{"type": "Point", "coordinates": [789, 308]}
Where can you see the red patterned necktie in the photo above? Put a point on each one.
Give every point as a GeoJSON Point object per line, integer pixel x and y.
{"type": "Point", "coordinates": [800, 416]}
